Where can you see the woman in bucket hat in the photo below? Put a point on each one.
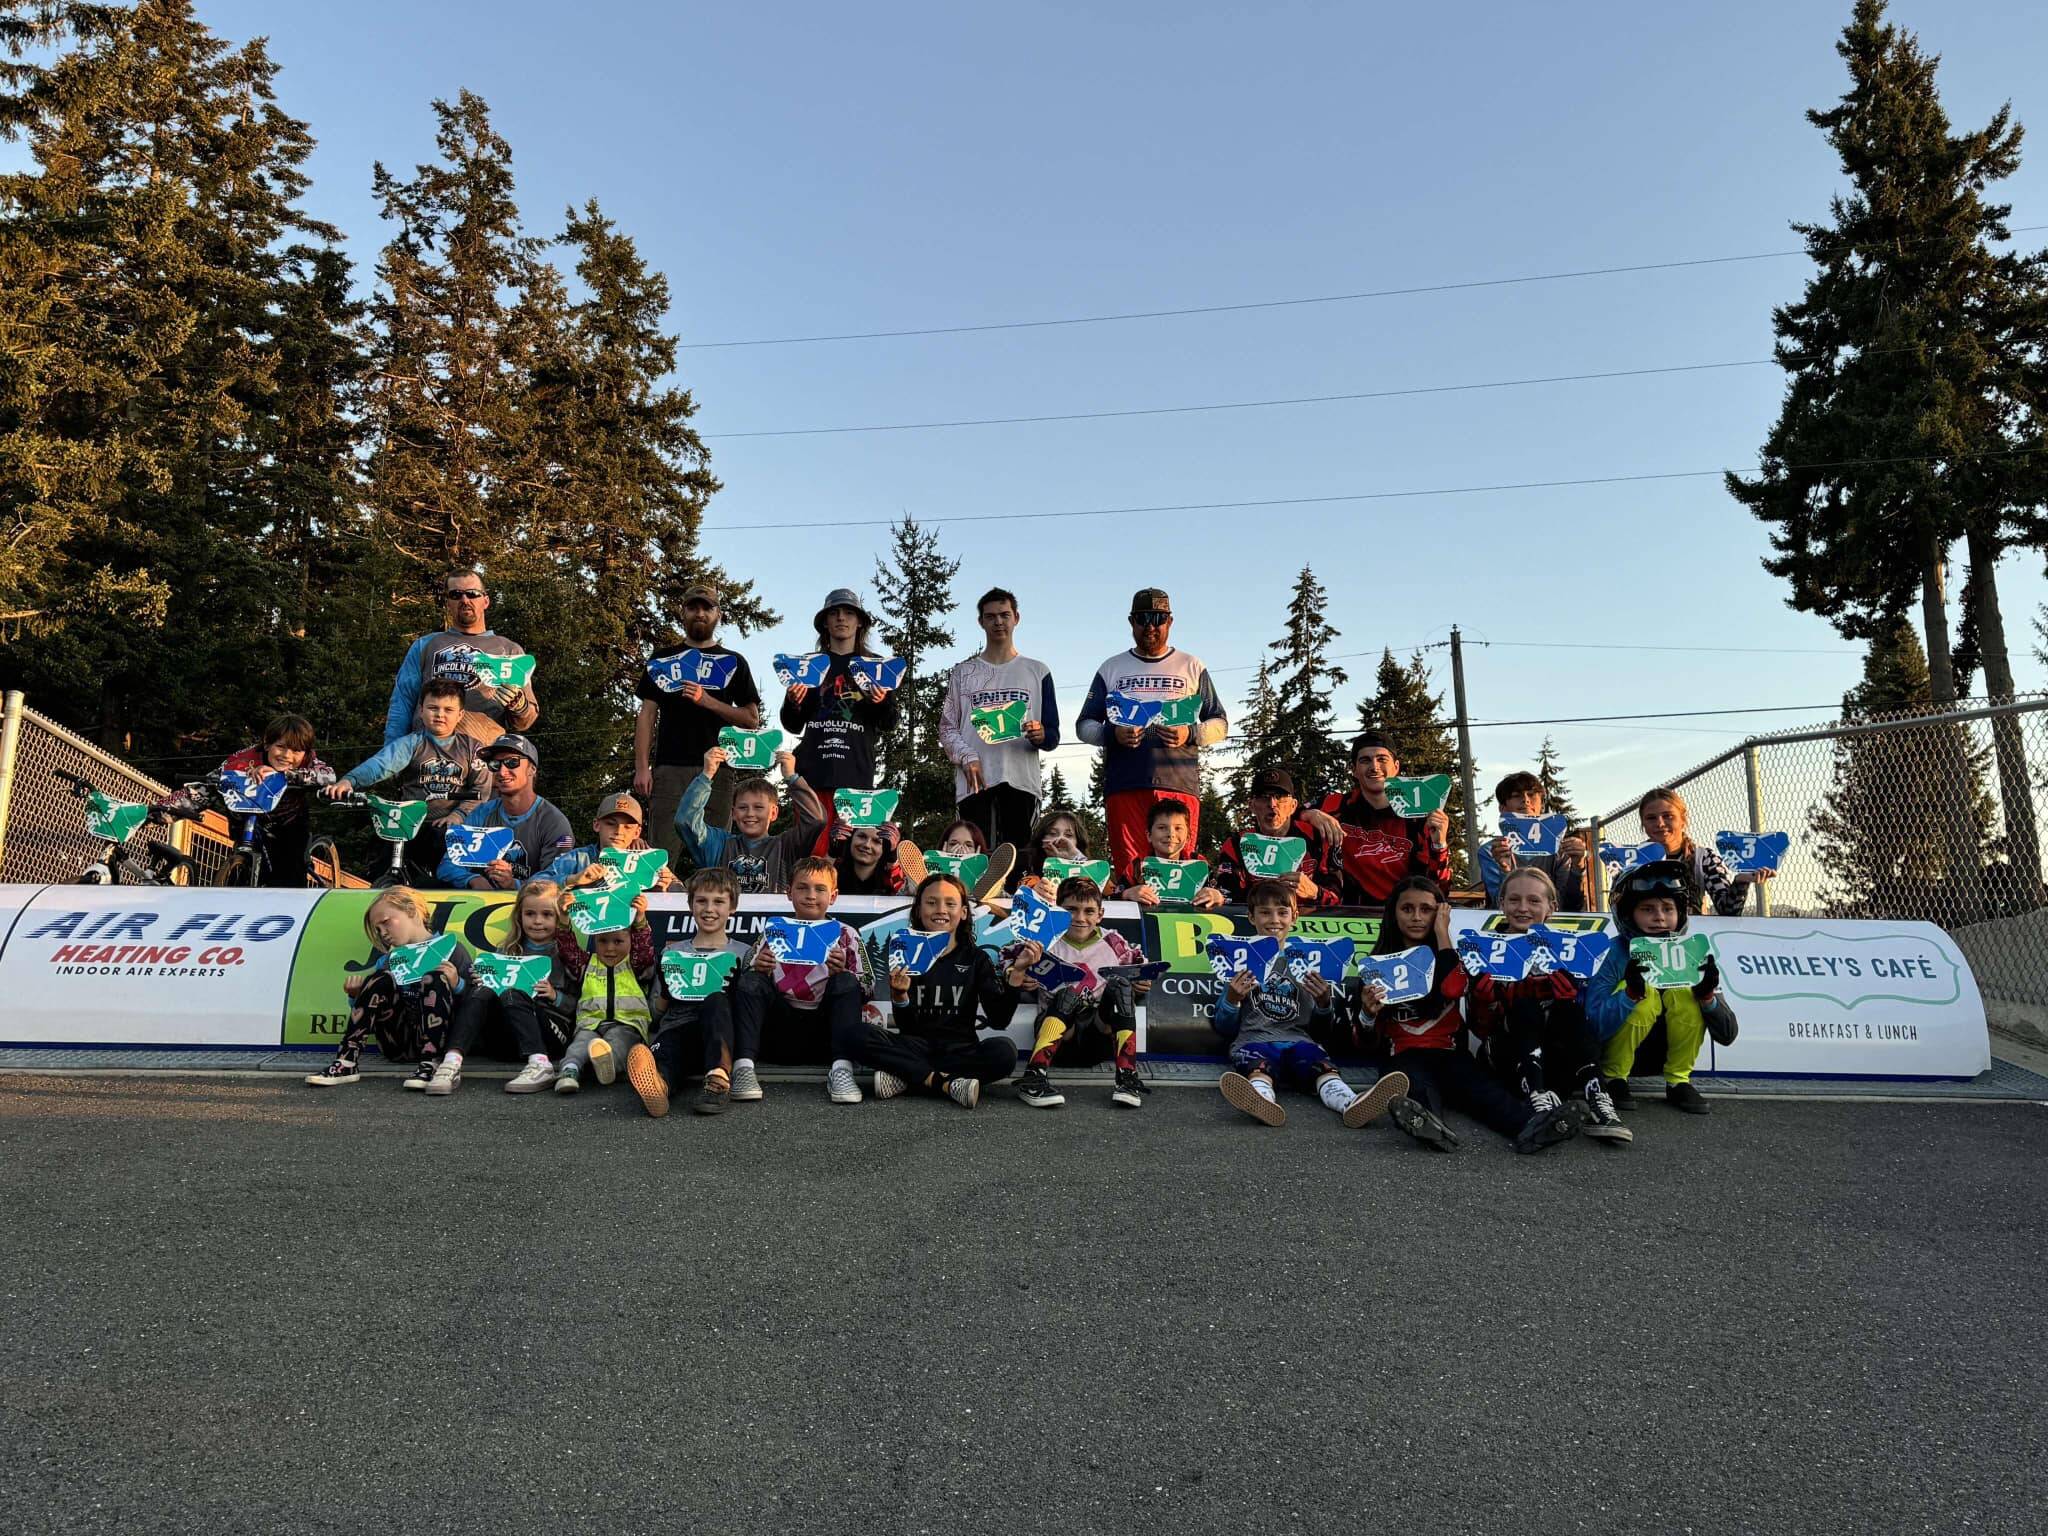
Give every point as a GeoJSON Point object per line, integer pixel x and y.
{"type": "Point", "coordinates": [839, 719]}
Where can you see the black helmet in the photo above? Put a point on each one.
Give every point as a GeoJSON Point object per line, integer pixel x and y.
{"type": "Point", "coordinates": [1659, 877]}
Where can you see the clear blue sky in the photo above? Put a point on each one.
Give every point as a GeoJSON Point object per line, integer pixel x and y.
{"type": "Point", "coordinates": [806, 168]}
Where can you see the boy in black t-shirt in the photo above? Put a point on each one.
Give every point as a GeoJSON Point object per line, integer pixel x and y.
{"type": "Point", "coordinates": [676, 729]}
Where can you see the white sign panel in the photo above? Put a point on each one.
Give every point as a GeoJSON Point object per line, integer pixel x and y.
{"type": "Point", "coordinates": [149, 965]}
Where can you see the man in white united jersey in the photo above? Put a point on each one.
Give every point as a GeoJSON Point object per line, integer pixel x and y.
{"type": "Point", "coordinates": [998, 783]}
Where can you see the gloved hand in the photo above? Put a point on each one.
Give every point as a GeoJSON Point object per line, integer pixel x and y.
{"type": "Point", "coordinates": [1710, 980]}
{"type": "Point", "coordinates": [1635, 980]}
{"type": "Point", "coordinates": [1563, 986]}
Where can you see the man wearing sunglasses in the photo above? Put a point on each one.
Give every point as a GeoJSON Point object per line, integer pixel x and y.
{"type": "Point", "coordinates": [451, 652]}
{"type": "Point", "coordinates": [1142, 765]}
{"type": "Point", "coordinates": [539, 830]}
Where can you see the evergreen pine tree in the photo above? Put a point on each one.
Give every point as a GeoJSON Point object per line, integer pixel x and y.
{"type": "Point", "coordinates": [1057, 796]}
{"type": "Point", "coordinates": [158, 254]}
{"type": "Point", "coordinates": [1913, 364]}
{"type": "Point", "coordinates": [1402, 709]}
{"type": "Point", "coordinates": [914, 593]}
{"type": "Point", "coordinates": [1258, 742]}
{"type": "Point", "coordinates": [1216, 821]}
{"type": "Point", "coordinates": [1881, 835]}
{"type": "Point", "coordinates": [1556, 796]}
{"type": "Point", "coordinates": [1303, 732]}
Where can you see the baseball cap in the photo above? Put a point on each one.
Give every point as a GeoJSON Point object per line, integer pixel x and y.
{"type": "Point", "coordinates": [621, 804]}
{"type": "Point", "coordinates": [1150, 600]}
{"type": "Point", "coordinates": [701, 591]}
{"type": "Point", "coordinates": [1274, 781]}
{"type": "Point", "coordinates": [515, 744]}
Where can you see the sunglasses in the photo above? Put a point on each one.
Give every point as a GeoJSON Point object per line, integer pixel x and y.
{"type": "Point", "coordinates": [465, 597]}
{"type": "Point", "coordinates": [504, 764]}
{"type": "Point", "coordinates": [1152, 620]}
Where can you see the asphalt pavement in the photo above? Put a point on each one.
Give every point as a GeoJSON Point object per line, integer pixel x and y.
{"type": "Point", "coordinates": [239, 1305]}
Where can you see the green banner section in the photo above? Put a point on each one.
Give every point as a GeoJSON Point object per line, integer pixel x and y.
{"type": "Point", "coordinates": [334, 947]}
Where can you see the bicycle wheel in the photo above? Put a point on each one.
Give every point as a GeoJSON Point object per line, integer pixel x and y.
{"type": "Point", "coordinates": [322, 851]}
{"type": "Point", "coordinates": [239, 870]}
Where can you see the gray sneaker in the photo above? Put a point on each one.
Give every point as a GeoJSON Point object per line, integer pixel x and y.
{"type": "Point", "coordinates": [568, 1080]}
{"type": "Point", "coordinates": [746, 1084]}
{"type": "Point", "coordinates": [839, 1084]}
{"type": "Point", "coordinates": [888, 1085]}
{"type": "Point", "coordinates": [964, 1091]}
{"type": "Point", "coordinates": [446, 1079]}
{"type": "Point", "coordinates": [533, 1077]}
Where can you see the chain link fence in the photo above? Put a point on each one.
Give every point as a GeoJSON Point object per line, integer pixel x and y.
{"type": "Point", "coordinates": [1931, 817]}
{"type": "Point", "coordinates": [43, 838]}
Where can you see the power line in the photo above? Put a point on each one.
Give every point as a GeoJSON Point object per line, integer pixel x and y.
{"type": "Point", "coordinates": [1349, 496]}
{"type": "Point", "coordinates": [1294, 303]}
{"type": "Point", "coordinates": [1715, 650]}
{"type": "Point", "coordinates": [1253, 405]}
{"type": "Point", "coordinates": [1668, 714]}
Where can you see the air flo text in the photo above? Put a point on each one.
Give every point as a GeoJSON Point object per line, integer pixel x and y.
{"type": "Point", "coordinates": [111, 942]}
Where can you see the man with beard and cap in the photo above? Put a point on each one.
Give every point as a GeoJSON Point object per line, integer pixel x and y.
{"type": "Point", "coordinates": [676, 729]}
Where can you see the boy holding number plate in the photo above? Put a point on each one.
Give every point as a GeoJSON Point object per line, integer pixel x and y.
{"type": "Point", "coordinates": [1269, 1006]}
{"type": "Point", "coordinates": [617, 826]}
{"type": "Point", "coordinates": [613, 1010]}
{"type": "Point", "coordinates": [1531, 838]}
{"type": "Point", "coordinates": [801, 996]}
{"type": "Point", "coordinates": [1656, 976]}
{"type": "Point", "coordinates": [1090, 980]}
{"type": "Point", "coordinates": [693, 1034]}
{"type": "Point", "coordinates": [1279, 845]}
{"type": "Point", "coordinates": [690, 694]}
{"type": "Point", "coordinates": [1165, 873]}
{"type": "Point", "coordinates": [759, 857]}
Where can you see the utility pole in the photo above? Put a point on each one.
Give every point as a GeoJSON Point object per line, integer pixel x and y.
{"type": "Point", "coordinates": [1465, 755]}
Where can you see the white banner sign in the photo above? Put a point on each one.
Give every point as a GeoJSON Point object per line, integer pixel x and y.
{"type": "Point", "coordinates": [149, 965]}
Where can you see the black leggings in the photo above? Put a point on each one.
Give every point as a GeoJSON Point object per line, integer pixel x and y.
{"type": "Point", "coordinates": [506, 1026]}
{"type": "Point", "coordinates": [1451, 1077]}
{"type": "Point", "coordinates": [410, 1023]}
{"type": "Point", "coordinates": [1547, 1040]}
{"type": "Point", "coordinates": [914, 1058]}
{"type": "Point", "coordinates": [694, 1037]}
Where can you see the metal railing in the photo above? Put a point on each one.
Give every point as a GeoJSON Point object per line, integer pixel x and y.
{"type": "Point", "coordinates": [1931, 817]}
{"type": "Point", "coordinates": [43, 838]}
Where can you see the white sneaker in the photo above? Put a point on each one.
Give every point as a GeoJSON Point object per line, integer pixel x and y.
{"type": "Point", "coordinates": [446, 1079]}
{"type": "Point", "coordinates": [840, 1086]}
{"type": "Point", "coordinates": [964, 1091]}
{"type": "Point", "coordinates": [532, 1078]}
{"type": "Point", "coordinates": [746, 1084]}
{"type": "Point", "coordinates": [888, 1085]}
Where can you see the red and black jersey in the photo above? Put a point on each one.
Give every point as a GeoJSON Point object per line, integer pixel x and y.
{"type": "Point", "coordinates": [1320, 865]}
{"type": "Point", "coordinates": [1381, 848]}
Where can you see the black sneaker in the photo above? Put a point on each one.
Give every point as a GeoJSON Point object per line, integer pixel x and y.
{"type": "Point", "coordinates": [1546, 1128]}
{"type": "Point", "coordinates": [1416, 1121]}
{"type": "Point", "coordinates": [337, 1073]}
{"type": "Point", "coordinates": [1128, 1091]}
{"type": "Point", "coordinates": [422, 1074]}
{"type": "Point", "coordinates": [1035, 1088]}
{"type": "Point", "coordinates": [1618, 1090]}
{"type": "Point", "coordinates": [1683, 1096]}
{"type": "Point", "coordinates": [712, 1100]}
{"type": "Point", "coordinates": [1598, 1119]}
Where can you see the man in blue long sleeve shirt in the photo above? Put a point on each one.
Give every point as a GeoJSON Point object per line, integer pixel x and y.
{"type": "Point", "coordinates": [451, 653]}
